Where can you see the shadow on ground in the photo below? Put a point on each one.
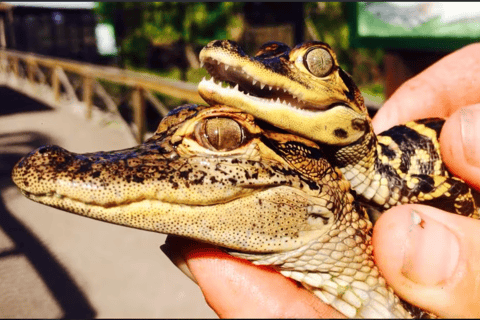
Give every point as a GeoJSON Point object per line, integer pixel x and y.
{"type": "Point", "coordinates": [61, 285]}
{"type": "Point", "coordinates": [14, 102]}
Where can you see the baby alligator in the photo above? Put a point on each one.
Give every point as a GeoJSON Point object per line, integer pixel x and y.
{"type": "Point", "coordinates": [217, 175]}
{"type": "Point", "coordinates": [304, 91]}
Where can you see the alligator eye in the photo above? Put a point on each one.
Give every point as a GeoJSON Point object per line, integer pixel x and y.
{"type": "Point", "coordinates": [319, 62]}
{"type": "Point", "coordinates": [221, 134]}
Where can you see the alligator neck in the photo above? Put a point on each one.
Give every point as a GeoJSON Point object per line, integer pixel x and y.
{"type": "Point", "coordinates": [361, 165]}
{"type": "Point", "coordinates": [331, 264]}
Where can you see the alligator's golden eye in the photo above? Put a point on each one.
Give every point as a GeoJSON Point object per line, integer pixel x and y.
{"type": "Point", "coordinates": [221, 134]}
{"type": "Point", "coordinates": [319, 62]}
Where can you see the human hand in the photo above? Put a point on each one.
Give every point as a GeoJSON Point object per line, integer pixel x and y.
{"type": "Point", "coordinates": [234, 288]}
{"type": "Point", "coordinates": [436, 264]}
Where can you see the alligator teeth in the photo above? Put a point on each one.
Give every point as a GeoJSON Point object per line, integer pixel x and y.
{"type": "Point", "coordinates": [254, 81]}
{"type": "Point", "coordinates": [226, 67]}
{"type": "Point", "coordinates": [236, 87]}
{"type": "Point", "coordinates": [262, 86]}
{"type": "Point", "coordinates": [202, 64]}
{"type": "Point", "coordinates": [270, 87]}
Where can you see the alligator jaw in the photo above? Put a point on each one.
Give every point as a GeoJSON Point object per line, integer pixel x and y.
{"type": "Point", "coordinates": [210, 224]}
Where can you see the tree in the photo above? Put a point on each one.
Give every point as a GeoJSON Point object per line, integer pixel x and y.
{"type": "Point", "coordinates": [141, 24]}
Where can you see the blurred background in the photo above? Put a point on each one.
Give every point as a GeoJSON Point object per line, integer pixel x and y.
{"type": "Point", "coordinates": [95, 76]}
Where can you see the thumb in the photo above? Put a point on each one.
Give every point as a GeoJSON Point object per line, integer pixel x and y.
{"type": "Point", "coordinates": [460, 144]}
{"type": "Point", "coordinates": [431, 258]}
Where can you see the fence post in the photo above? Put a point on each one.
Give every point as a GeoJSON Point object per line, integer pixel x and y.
{"type": "Point", "coordinates": [30, 68]}
{"type": "Point", "coordinates": [139, 113]}
{"type": "Point", "coordinates": [55, 85]}
{"type": "Point", "coordinates": [15, 67]}
{"type": "Point", "coordinates": [87, 95]}
{"type": "Point", "coordinates": [3, 62]}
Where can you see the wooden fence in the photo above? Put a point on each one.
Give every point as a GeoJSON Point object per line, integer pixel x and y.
{"type": "Point", "coordinates": [58, 82]}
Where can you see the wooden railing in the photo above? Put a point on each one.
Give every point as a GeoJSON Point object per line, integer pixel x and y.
{"type": "Point", "coordinates": [57, 82]}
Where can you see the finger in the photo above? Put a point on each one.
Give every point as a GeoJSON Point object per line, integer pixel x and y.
{"type": "Point", "coordinates": [460, 144]}
{"type": "Point", "coordinates": [235, 288]}
{"type": "Point", "coordinates": [430, 258]}
{"type": "Point", "coordinates": [438, 91]}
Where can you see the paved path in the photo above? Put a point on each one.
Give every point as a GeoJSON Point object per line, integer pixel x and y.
{"type": "Point", "coordinates": [54, 264]}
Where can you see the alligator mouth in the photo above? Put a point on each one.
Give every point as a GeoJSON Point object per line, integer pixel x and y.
{"type": "Point", "coordinates": [199, 222]}
{"type": "Point", "coordinates": [236, 81]}
{"type": "Point", "coordinates": [56, 197]}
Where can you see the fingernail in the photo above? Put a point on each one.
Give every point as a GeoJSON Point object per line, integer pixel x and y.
{"type": "Point", "coordinates": [177, 259]}
{"type": "Point", "coordinates": [470, 126]}
{"type": "Point", "coordinates": [431, 251]}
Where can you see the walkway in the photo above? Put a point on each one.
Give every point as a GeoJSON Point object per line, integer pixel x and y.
{"type": "Point", "coordinates": [54, 264]}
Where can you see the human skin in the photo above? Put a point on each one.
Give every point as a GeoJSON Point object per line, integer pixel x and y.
{"type": "Point", "coordinates": [434, 264]}
{"type": "Point", "coordinates": [437, 265]}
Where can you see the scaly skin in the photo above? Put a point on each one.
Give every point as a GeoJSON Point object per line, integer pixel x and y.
{"type": "Point", "coordinates": [304, 91]}
{"type": "Point", "coordinates": [216, 175]}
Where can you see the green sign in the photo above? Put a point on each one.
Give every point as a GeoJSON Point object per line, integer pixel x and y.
{"type": "Point", "coordinates": [414, 25]}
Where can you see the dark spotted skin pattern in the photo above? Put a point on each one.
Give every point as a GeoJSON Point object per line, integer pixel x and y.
{"type": "Point", "coordinates": [267, 196]}
{"type": "Point", "coordinates": [304, 90]}
{"type": "Point", "coordinates": [168, 168]}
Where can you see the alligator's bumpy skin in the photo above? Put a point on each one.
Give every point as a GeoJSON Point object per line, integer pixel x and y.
{"type": "Point", "coordinates": [304, 90]}
{"type": "Point", "coordinates": [216, 175]}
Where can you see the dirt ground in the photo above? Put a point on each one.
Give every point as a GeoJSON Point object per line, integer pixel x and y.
{"type": "Point", "coordinates": [54, 264]}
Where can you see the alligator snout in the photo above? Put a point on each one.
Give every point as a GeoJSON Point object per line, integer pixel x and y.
{"type": "Point", "coordinates": [101, 178]}
{"type": "Point", "coordinates": [34, 172]}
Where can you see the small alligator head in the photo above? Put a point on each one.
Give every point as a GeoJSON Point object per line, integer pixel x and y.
{"type": "Point", "coordinates": [217, 175]}
{"type": "Point", "coordinates": [302, 90]}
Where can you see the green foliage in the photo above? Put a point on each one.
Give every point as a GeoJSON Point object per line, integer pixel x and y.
{"type": "Point", "coordinates": [106, 11]}
{"type": "Point", "coordinates": [195, 22]}
{"type": "Point", "coordinates": [158, 23]}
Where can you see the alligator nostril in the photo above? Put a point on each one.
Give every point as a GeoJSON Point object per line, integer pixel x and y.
{"type": "Point", "coordinates": [43, 149]}
{"type": "Point", "coordinates": [45, 155]}
{"type": "Point", "coordinates": [48, 149]}
{"type": "Point", "coordinates": [35, 169]}
{"type": "Point", "coordinates": [215, 43]}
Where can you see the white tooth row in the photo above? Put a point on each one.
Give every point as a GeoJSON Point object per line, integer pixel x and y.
{"type": "Point", "coordinates": [236, 88]}
{"type": "Point", "coordinates": [254, 81]}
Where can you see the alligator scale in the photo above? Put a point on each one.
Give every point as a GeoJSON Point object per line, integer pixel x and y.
{"type": "Point", "coordinates": [304, 91]}
{"type": "Point", "coordinates": [273, 171]}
